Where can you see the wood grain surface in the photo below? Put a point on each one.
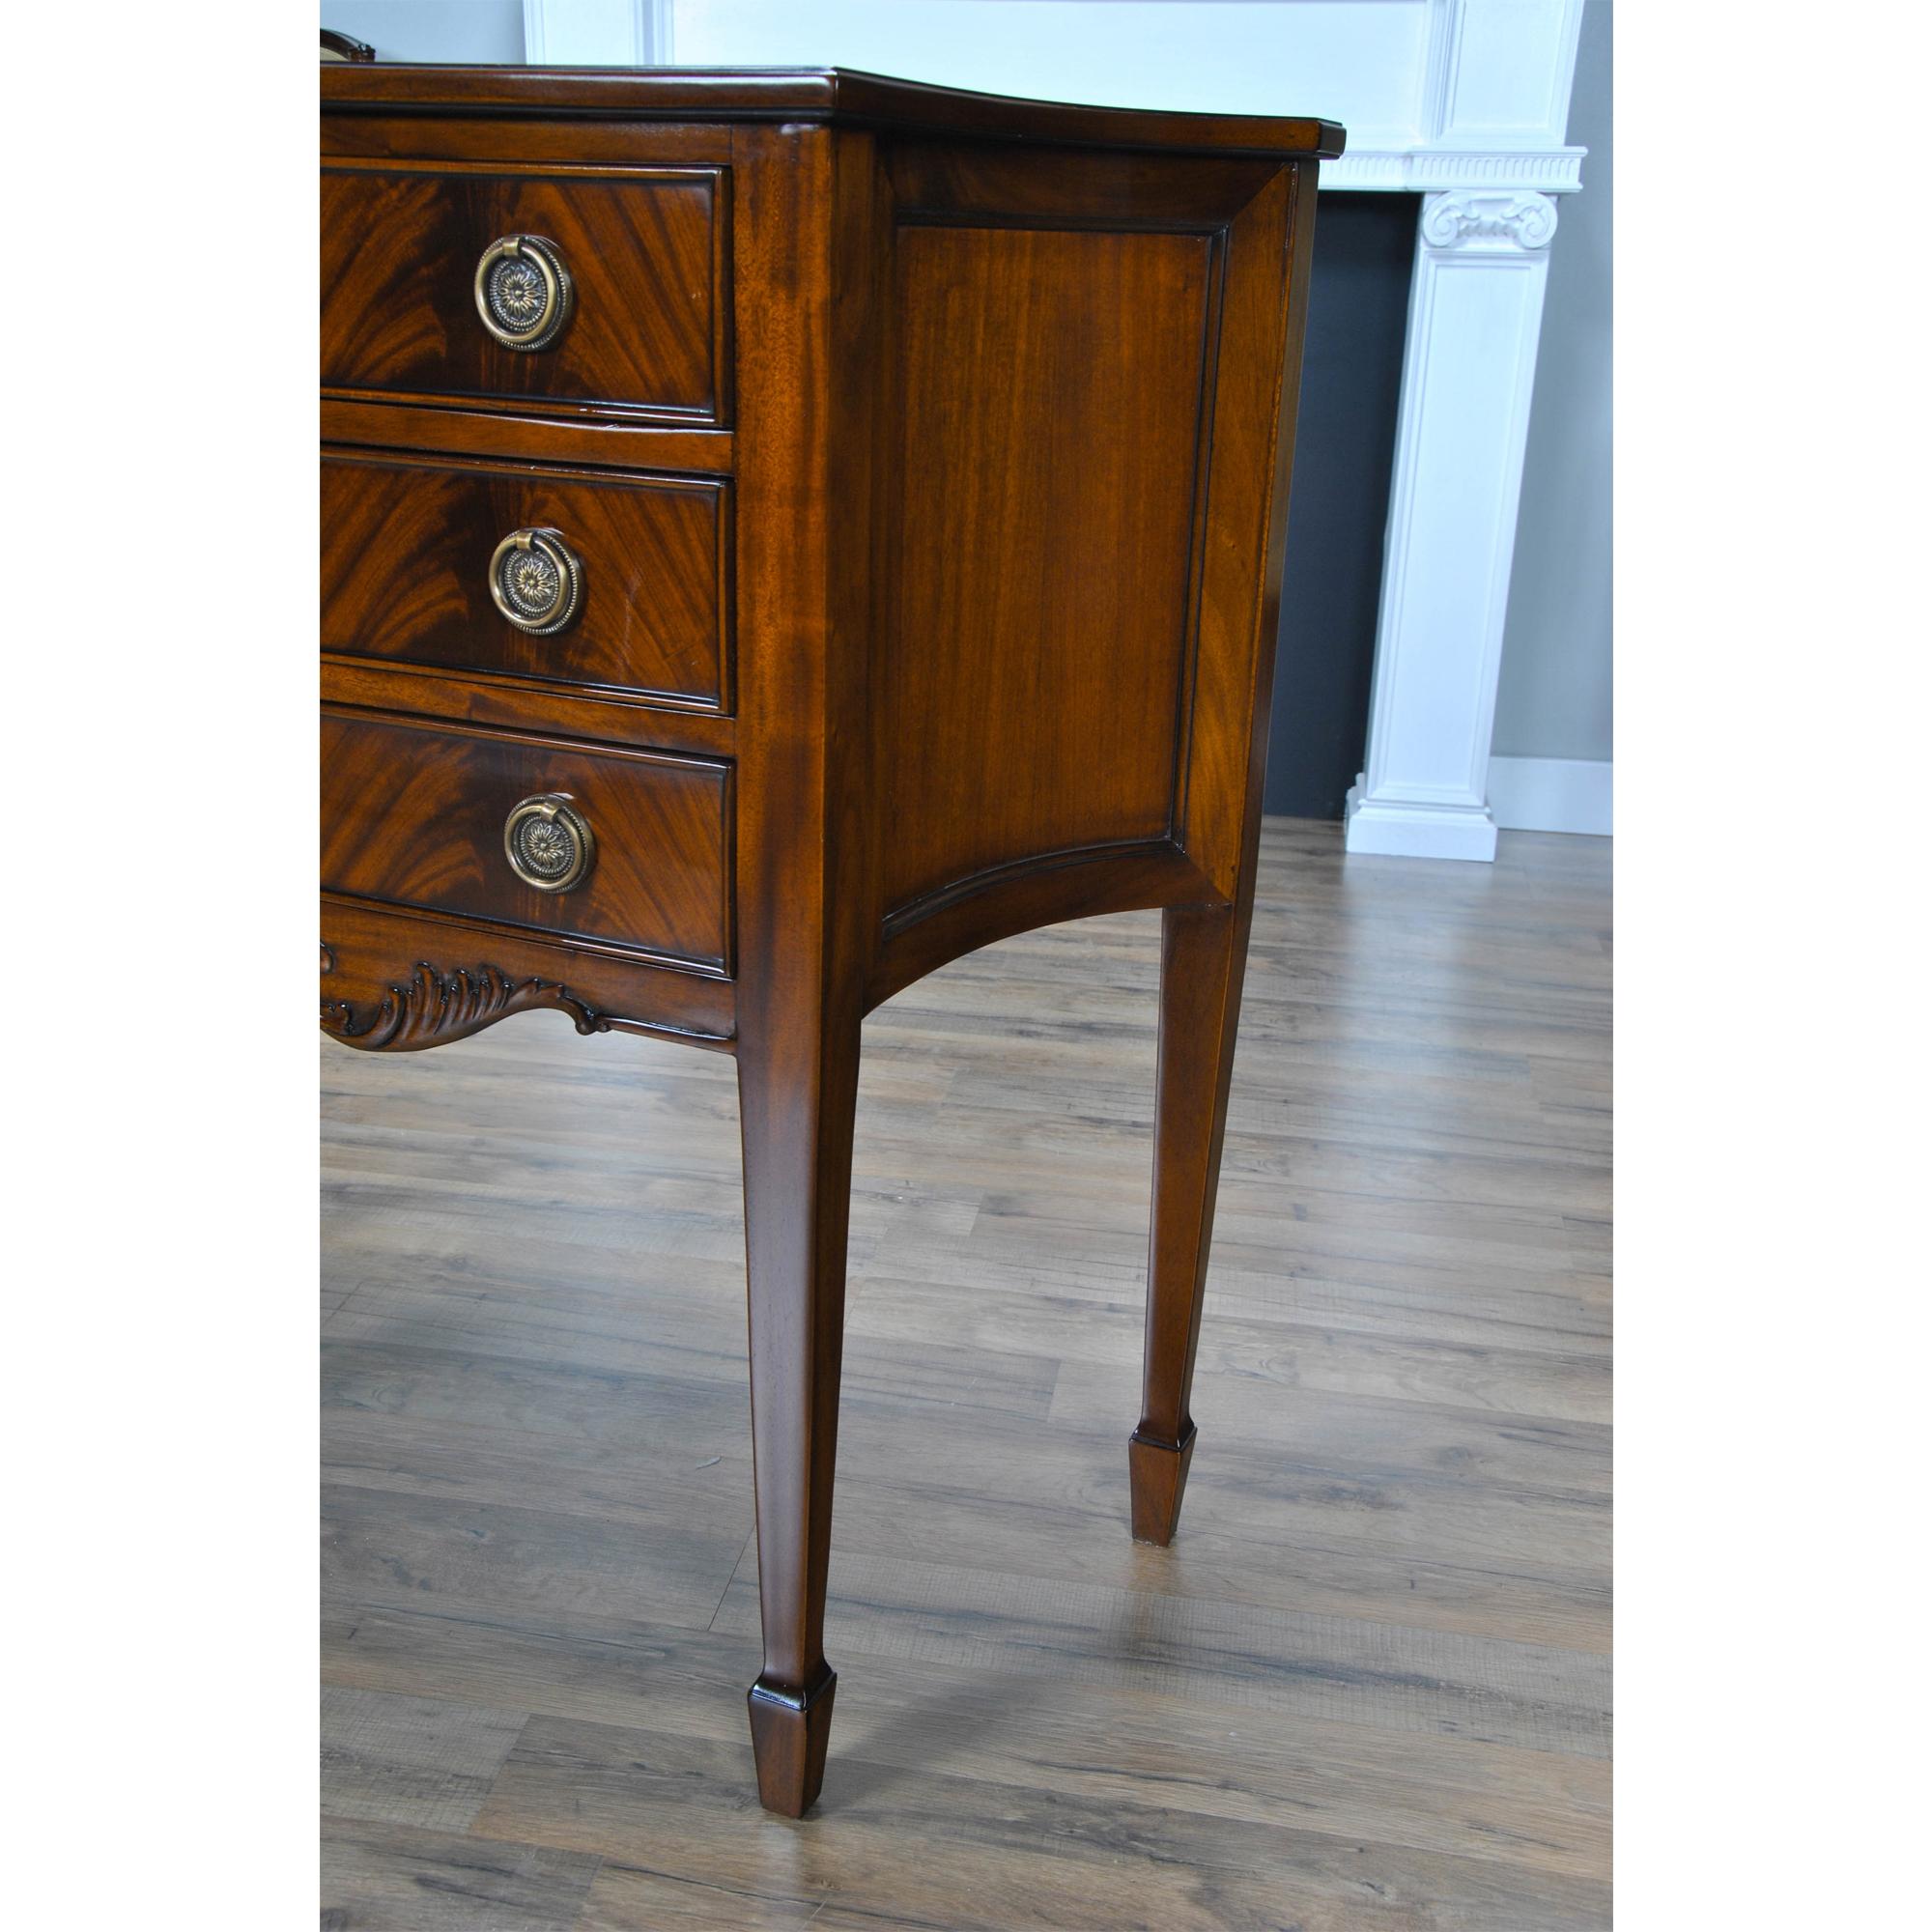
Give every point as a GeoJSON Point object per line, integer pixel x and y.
{"type": "Point", "coordinates": [406, 551]}
{"type": "Point", "coordinates": [651, 330]}
{"type": "Point", "coordinates": [1049, 400]}
{"type": "Point", "coordinates": [800, 95]}
{"type": "Point", "coordinates": [412, 815]}
{"type": "Point", "coordinates": [1365, 1691]}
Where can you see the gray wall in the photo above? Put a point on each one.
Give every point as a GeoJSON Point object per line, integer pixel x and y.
{"type": "Point", "coordinates": [1343, 459]}
{"type": "Point", "coordinates": [433, 30]}
{"type": "Point", "coordinates": [1553, 699]}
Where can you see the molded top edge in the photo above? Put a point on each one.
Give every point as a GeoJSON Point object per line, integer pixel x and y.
{"type": "Point", "coordinates": [843, 94]}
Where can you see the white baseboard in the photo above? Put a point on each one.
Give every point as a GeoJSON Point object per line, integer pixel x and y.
{"type": "Point", "coordinates": [1413, 829]}
{"type": "Point", "coordinates": [1551, 794]}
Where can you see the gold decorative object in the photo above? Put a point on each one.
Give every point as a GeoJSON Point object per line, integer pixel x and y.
{"type": "Point", "coordinates": [523, 291]}
{"type": "Point", "coordinates": [536, 580]}
{"type": "Point", "coordinates": [547, 842]}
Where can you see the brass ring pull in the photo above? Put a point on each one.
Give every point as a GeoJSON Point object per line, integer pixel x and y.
{"type": "Point", "coordinates": [536, 580]}
{"type": "Point", "coordinates": [547, 842]}
{"type": "Point", "coordinates": [523, 291]}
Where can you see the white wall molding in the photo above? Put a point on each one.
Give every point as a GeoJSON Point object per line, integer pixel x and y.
{"type": "Point", "coordinates": [1499, 74]}
{"type": "Point", "coordinates": [1465, 219]}
{"type": "Point", "coordinates": [598, 33]}
{"type": "Point", "coordinates": [1490, 110]}
{"type": "Point", "coordinates": [1552, 795]}
{"type": "Point", "coordinates": [1475, 310]}
{"type": "Point", "coordinates": [1500, 69]}
{"type": "Point", "coordinates": [1429, 170]}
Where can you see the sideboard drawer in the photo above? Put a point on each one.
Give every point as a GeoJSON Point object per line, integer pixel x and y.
{"type": "Point", "coordinates": [408, 544]}
{"type": "Point", "coordinates": [415, 814]}
{"type": "Point", "coordinates": [642, 251]}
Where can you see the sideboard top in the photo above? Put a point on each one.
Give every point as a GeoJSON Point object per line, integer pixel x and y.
{"type": "Point", "coordinates": [826, 93]}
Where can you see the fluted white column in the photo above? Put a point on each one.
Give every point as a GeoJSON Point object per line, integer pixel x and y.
{"type": "Point", "coordinates": [1475, 309]}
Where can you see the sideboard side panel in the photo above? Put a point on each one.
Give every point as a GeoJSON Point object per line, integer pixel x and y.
{"type": "Point", "coordinates": [1086, 358]}
{"type": "Point", "coordinates": [1050, 413]}
{"type": "Point", "coordinates": [1257, 384]}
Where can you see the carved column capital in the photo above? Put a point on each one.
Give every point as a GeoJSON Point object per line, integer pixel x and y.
{"type": "Point", "coordinates": [1465, 218]}
{"type": "Point", "coordinates": [1482, 263]}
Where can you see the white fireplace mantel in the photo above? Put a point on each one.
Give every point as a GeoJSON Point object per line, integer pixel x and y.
{"type": "Point", "coordinates": [1463, 102]}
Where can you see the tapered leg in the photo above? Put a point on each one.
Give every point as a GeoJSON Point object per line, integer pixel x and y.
{"type": "Point", "coordinates": [795, 1101]}
{"type": "Point", "coordinates": [1204, 952]}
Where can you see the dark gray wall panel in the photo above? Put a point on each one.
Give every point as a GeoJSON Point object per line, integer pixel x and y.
{"type": "Point", "coordinates": [1351, 382]}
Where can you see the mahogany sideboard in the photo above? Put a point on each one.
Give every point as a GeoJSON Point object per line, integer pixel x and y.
{"type": "Point", "coordinates": [781, 531]}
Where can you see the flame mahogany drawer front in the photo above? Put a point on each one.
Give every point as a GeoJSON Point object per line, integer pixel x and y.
{"type": "Point", "coordinates": [416, 815]}
{"type": "Point", "coordinates": [407, 542]}
{"type": "Point", "coordinates": [643, 250]}
{"type": "Point", "coordinates": [785, 529]}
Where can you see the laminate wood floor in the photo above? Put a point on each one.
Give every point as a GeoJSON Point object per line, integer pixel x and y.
{"type": "Point", "coordinates": [1368, 1687]}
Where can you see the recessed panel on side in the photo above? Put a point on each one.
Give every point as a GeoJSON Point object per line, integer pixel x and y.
{"type": "Point", "coordinates": [1048, 388]}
